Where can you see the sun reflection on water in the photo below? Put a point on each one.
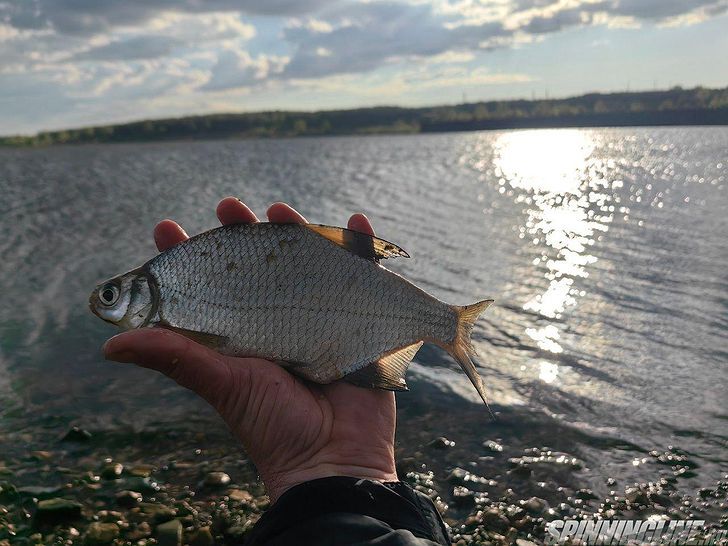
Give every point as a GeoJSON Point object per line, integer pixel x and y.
{"type": "Point", "coordinates": [568, 204]}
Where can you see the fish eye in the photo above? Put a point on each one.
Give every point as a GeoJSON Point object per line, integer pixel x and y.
{"type": "Point", "coordinates": [108, 294]}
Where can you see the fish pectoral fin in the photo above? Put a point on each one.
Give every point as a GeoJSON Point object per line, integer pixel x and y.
{"type": "Point", "coordinates": [388, 372]}
{"type": "Point", "coordinates": [213, 341]}
{"type": "Point", "coordinates": [361, 244]}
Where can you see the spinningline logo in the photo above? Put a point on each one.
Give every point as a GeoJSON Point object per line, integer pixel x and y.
{"type": "Point", "coordinates": [634, 532]}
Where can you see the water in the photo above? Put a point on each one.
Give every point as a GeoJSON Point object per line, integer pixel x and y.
{"type": "Point", "coordinates": [605, 250]}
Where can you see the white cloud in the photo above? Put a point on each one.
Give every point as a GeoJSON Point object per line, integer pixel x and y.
{"type": "Point", "coordinates": [235, 69]}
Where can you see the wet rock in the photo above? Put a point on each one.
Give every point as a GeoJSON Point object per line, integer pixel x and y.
{"type": "Point", "coordinates": [169, 533]}
{"type": "Point", "coordinates": [39, 491]}
{"type": "Point", "coordinates": [462, 497]}
{"type": "Point", "coordinates": [457, 476]}
{"type": "Point", "coordinates": [535, 505]}
{"type": "Point", "coordinates": [493, 446]}
{"type": "Point", "coordinates": [112, 471]}
{"type": "Point", "coordinates": [159, 513]}
{"type": "Point", "coordinates": [240, 496]}
{"type": "Point", "coordinates": [585, 494]}
{"type": "Point", "coordinates": [146, 485]}
{"type": "Point", "coordinates": [705, 492]}
{"type": "Point", "coordinates": [141, 470]}
{"type": "Point", "coordinates": [41, 455]}
{"type": "Point", "coordinates": [407, 464]}
{"type": "Point", "coordinates": [635, 495]}
{"type": "Point", "coordinates": [128, 499]}
{"type": "Point", "coordinates": [143, 530]}
{"type": "Point", "coordinates": [201, 537]}
{"type": "Point", "coordinates": [236, 533]}
{"type": "Point", "coordinates": [101, 533]}
{"type": "Point", "coordinates": [77, 434]}
{"type": "Point", "coordinates": [441, 443]}
{"type": "Point", "coordinates": [58, 509]}
{"type": "Point", "coordinates": [8, 492]}
{"type": "Point", "coordinates": [217, 479]}
{"type": "Point", "coordinates": [519, 467]}
{"type": "Point", "coordinates": [514, 513]}
{"type": "Point", "coordinates": [495, 521]}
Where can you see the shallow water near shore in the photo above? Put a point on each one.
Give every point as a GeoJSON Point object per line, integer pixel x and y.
{"type": "Point", "coordinates": [605, 354]}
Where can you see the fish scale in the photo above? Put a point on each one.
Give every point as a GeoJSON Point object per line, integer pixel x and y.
{"type": "Point", "coordinates": [313, 298]}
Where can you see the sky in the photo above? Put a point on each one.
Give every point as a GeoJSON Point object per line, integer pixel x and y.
{"type": "Point", "coordinates": [73, 63]}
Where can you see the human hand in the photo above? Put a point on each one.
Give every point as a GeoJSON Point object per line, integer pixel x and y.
{"type": "Point", "coordinates": [294, 431]}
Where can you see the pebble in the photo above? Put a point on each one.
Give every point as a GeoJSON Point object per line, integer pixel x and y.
{"type": "Point", "coordinates": [101, 533]}
{"type": "Point", "coordinates": [128, 499]}
{"type": "Point", "coordinates": [463, 497]}
{"type": "Point", "coordinates": [143, 530]}
{"type": "Point", "coordinates": [201, 537]}
{"type": "Point", "coordinates": [58, 508]}
{"type": "Point", "coordinates": [77, 434]}
{"type": "Point", "coordinates": [441, 443]}
{"type": "Point", "coordinates": [523, 542]}
{"type": "Point", "coordinates": [240, 495]}
{"type": "Point", "coordinates": [158, 512]}
{"type": "Point", "coordinates": [112, 471]}
{"type": "Point", "coordinates": [147, 485]}
{"type": "Point", "coordinates": [217, 479]}
{"type": "Point", "coordinates": [38, 491]}
{"type": "Point", "coordinates": [494, 520]}
{"type": "Point", "coordinates": [41, 455]}
{"type": "Point", "coordinates": [169, 533]}
{"type": "Point", "coordinates": [535, 505]}
{"type": "Point", "coordinates": [457, 476]}
{"type": "Point", "coordinates": [141, 470]}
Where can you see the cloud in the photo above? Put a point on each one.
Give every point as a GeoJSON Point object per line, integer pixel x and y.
{"type": "Point", "coordinates": [235, 69]}
{"type": "Point", "coordinates": [363, 37]}
{"type": "Point", "coordinates": [140, 47]}
{"type": "Point", "coordinates": [199, 53]}
{"type": "Point", "coordinates": [85, 17]}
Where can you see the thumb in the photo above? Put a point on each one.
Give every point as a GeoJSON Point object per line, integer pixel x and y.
{"type": "Point", "coordinates": [190, 364]}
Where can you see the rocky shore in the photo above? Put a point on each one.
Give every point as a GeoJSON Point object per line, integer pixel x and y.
{"type": "Point", "coordinates": [143, 496]}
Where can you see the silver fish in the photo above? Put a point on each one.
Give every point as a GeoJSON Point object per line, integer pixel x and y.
{"type": "Point", "coordinates": [310, 297]}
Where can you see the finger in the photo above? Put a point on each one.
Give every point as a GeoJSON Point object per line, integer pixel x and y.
{"type": "Point", "coordinates": [190, 364]}
{"type": "Point", "coordinates": [168, 233]}
{"type": "Point", "coordinates": [282, 213]}
{"type": "Point", "coordinates": [232, 210]}
{"type": "Point", "coordinates": [359, 222]}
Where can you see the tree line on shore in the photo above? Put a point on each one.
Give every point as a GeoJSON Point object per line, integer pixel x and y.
{"type": "Point", "coordinates": [676, 106]}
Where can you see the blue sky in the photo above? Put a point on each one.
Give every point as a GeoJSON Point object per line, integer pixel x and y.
{"type": "Point", "coordinates": [70, 63]}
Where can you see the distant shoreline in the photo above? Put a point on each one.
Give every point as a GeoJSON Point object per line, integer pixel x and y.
{"type": "Point", "coordinates": [673, 107]}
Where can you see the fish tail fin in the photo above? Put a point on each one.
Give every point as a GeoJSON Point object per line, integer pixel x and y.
{"type": "Point", "coordinates": [462, 348]}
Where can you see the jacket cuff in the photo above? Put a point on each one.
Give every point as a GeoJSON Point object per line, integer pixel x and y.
{"type": "Point", "coordinates": [393, 503]}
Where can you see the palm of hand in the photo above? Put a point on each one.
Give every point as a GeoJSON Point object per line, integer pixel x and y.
{"type": "Point", "coordinates": [293, 431]}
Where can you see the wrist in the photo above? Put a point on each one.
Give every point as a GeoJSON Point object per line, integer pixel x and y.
{"type": "Point", "coordinates": [278, 483]}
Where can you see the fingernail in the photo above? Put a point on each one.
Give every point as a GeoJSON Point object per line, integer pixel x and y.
{"type": "Point", "coordinates": [121, 356]}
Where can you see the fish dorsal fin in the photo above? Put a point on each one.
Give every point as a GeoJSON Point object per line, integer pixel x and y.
{"type": "Point", "coordinates": [387, 372]}
{"type": "Point", "coordinates": [361, 244]}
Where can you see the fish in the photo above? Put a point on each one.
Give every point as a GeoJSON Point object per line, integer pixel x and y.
{"type": "Point", "coordinates": [313, 298]}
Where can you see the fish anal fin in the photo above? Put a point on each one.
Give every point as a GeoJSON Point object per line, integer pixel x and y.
{"type": "Point", "coordinates": [388, 371]}
{"type": "Point", "coordinates": [361, 244]}
{"type": "Point", "coordinates": [213, 341]}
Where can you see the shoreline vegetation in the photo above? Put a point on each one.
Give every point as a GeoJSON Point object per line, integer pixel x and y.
{"type": "Point", "coordinates": [676, 106]}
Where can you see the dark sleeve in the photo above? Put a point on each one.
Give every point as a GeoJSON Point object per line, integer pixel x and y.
{"type": "Point", "coordinates": [341, 511]}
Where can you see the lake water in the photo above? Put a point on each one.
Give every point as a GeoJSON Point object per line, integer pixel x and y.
{"type": "Point", "coordinates": [606, 251]}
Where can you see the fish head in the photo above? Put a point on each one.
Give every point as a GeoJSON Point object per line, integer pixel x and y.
{"type": "Point", "coordinates": [128, 301]}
